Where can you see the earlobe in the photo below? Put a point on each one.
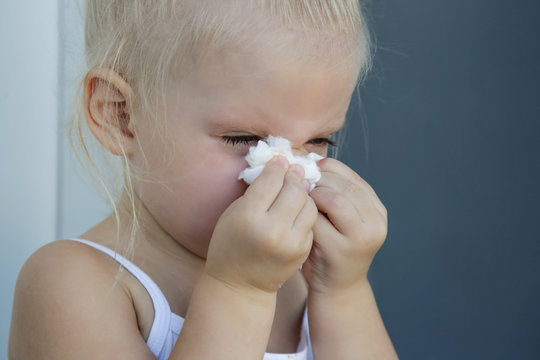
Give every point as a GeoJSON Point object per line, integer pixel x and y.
{"type": "Point", "coordinates": [108, 104]}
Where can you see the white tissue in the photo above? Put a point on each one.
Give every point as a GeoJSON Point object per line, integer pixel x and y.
{"type": "Point", "coordinates": [259, 155]}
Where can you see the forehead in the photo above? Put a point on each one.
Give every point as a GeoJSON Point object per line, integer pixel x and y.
{"type": "Point", "coordinates": [278, 60]}
{"type": "Point", "coordinates": [278, 85]}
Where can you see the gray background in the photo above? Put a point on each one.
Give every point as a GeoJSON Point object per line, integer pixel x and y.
{"type": "Point", "coordinates": [452, 108]}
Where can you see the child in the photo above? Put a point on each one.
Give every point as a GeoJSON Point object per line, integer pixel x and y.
{"type": "Point", "coordinates": [180, 90]}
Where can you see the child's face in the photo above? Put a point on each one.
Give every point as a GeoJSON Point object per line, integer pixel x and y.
{"type": "Point", "coordinates": [251, 94]}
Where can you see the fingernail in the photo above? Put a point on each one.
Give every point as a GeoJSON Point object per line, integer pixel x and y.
{"type": "Point", "coordinates": [299, 170]}
{"type": "Point", "coordinates": [282, 161]}
{"type": "Point", "coordinates": [306, 184]}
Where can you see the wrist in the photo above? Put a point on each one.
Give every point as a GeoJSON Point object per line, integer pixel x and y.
{"type": "Point", "coordinates": [345, 320]}
{"type": "Point", "coordinates": [246, 295]}
{"type": "Point", "coordinates": [220, 316]}
{"type": "Point", "coordinates": [342, 292]}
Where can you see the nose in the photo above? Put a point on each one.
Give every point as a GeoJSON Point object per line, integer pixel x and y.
{"type": "Point", "coordinates": [299, 150]}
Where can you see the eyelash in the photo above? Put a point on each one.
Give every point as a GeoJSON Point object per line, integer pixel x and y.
{"type": "Point", "coordinates": [241, 139]}
{"type": "Point", "coordinates": [249, 139]}
{"type": "Point", "coordinates": [325, 142]}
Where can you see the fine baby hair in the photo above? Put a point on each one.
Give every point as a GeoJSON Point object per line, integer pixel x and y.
{"type": "Point", "coordinates": [151, 44]}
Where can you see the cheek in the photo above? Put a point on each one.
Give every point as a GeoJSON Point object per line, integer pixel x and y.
{"type": "Point", "coordinates": [216, 185]}
{"type": "Point", "coordinates": [200, 198]}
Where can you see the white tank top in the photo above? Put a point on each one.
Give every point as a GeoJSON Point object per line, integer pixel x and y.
{"type": "Point", "coordinates": [167, 325]}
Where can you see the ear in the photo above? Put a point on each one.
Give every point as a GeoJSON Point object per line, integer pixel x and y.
{"type": "Point", "coordinates": [108, 104]}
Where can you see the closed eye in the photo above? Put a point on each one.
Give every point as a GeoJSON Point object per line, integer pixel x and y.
{"type": "Point", "coordinates": [241, 139]}
{"type": "Point", "coordinates": [322, 142]}
{"type": "Point", "coordinates": [253, 139]}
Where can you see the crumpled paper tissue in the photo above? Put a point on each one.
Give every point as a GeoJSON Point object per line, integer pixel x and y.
{"type": "Point", "coordinates": [259, 155]}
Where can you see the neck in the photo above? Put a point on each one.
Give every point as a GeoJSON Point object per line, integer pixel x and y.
{"type": "Point", "coordinates": [133, 231]}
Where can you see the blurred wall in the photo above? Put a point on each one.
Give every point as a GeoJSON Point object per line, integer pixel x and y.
{"type": "Point", "coordinates": [28, 139]}
{"type": "Point", "coordinates": [453, 111]}
{"type": "Point", "coordinates": [45, 194]}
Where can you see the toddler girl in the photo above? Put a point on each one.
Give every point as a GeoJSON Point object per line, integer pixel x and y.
{"type": "Point", "coordinates": [180, 89]}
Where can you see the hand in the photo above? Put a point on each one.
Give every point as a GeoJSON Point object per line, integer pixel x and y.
{"type": "Point", "coordinates": [265, 235]}
{"type": "Point", "coordinates": [350, 228]}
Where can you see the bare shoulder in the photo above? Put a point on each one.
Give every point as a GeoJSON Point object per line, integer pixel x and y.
{"type": "Point", "coordinates": [68, 305]}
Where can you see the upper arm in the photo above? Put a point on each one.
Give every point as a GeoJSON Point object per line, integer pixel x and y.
{"type": "Point", "coordinates": [67, 305]}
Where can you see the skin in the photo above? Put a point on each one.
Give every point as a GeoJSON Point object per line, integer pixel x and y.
{"type": "Point", "coordinates": [198, 219]}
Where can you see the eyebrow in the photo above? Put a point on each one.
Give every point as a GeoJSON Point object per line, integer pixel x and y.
{"type": "Point", "coordinates": [235, 123]}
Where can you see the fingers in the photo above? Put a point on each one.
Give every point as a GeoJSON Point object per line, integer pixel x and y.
{"type": "Point", "coordinates": [340, 177]}
{"type": "Point", "coordinates": [339, 210]}
{"type": "Point", "coordinates": [358, 194]}
{"type": "Point", "coordinates": [304, 223]}
{"type": "Point", "coordinates": [307, 217]}
{"type": "Point", "coordinates": [344, 196]}
{"type": "Point", "coordinates": [292, 197]}
{"type": "Point", "coordinates": [281, 191]}
{"type": "Point", "coordinates": [264, 190]}
{"type": "Point", "coordinates": [323, 228]}
{"type": "Point", "coordinates": [337, 167]}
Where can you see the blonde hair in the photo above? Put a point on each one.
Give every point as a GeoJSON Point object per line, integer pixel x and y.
{"type": "Point", "coordinates": [151, 43]}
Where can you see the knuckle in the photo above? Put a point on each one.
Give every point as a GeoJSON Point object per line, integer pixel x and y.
{"type": "Point", "coordinates": [351, 187]}
{"type": "Point", "coordinates": [378, 234]}
{"type": "Point", "coordinates": [381, 233]}
{"type": "Point", "coordinates": [351, 217]}
{"type": "Point", "coordinates": [337, 202]}
{"type": "Point", "coordinates": [243, 221]}
{"type": "Point", "coordinates": [384, 221]}
{"type": "Point", "coordinates": [270, 236]}
{"type": "Point", "coordinates": [384, 211]}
